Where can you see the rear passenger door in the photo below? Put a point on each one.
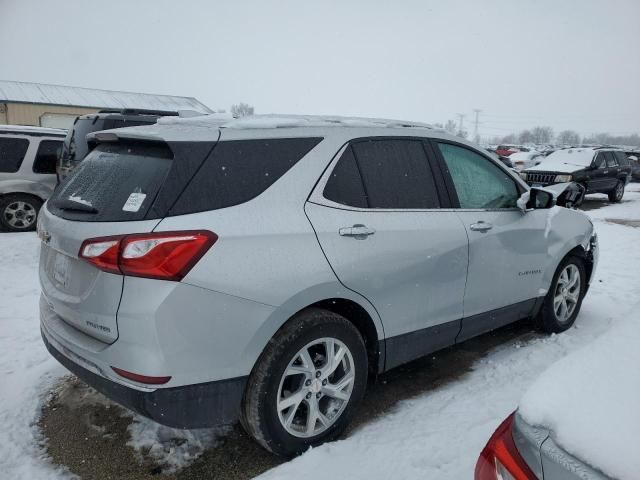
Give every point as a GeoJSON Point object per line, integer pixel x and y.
{"type": "Point", "coordinates": [378, 217]}
{"type": "Point", "coordinates": [507, 247]}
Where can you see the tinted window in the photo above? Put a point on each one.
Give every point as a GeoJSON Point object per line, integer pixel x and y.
{"type": "Point", "coordinates": [345, 184]}
{"type": "Point", "coordinates": [478, 182]}
{"type": "Point", "coordinates": [622, 159]}
{"type": "Point", "coordinates": [396, 174]}
{"type": "Point", "coordinates": [115, 182]}
{"type": "Point", "coordinates": [240, 170]}
{"type": "Point", "coordinates": [611, 159]}
{"type": "Point", "coordinates": [12, 151]}
{"type": "Point", "coordinates": [47, 156]}
{"type": "Point", "coordinates": [600, 161]}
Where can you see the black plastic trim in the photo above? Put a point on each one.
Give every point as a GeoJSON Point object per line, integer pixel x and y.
{"type": "Point", "coordinates": [485, 322]}
{"type": "Point", "coordinates": [201, 405]}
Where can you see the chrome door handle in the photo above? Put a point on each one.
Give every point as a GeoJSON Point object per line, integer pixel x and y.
{"type": "Point", "coordinates": [481, 226]}
{"type": "Point", "coordinates": [358, 231]}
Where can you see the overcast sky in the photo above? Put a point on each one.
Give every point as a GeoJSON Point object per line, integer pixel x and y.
{"type": "Point", "coordinates": [568, 64]}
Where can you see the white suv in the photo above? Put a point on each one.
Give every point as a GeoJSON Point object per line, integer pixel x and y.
{"type": "Point", "coordinates": [28, 158]}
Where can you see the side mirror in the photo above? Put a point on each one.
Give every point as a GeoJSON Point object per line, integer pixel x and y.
{"type": "Point", "coordinates": [539, 199]}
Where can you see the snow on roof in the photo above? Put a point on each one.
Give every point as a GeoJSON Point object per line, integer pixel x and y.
{"type": "Point", "coordinates": [292, 121]}
{"type": "Point", "coordinates": [24, 92]}
{"type": "Point", "coordinates": [589, 402]}
{"type": "Point", "coordinates": [28, 129]}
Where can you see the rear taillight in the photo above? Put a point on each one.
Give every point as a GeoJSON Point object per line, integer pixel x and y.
{"type": "Point", "coordinates": [500, 459]}
{"type": "Point", "coordinates": [136, 377]}
{"type": "Point", "coordinates": [161, 255]}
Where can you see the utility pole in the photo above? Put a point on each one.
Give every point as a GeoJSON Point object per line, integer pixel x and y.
{"type": "Point", "coordinates": [476, 136]}
{"type": "Point", "coordinates": [460, 123]}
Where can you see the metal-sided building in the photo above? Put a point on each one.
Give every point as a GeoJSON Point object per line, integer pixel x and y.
{"type": "Point", "coordinates": [57, 106]}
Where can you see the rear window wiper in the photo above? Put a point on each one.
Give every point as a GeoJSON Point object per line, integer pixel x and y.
{"type": "Point", "coordinates": [69, 205]}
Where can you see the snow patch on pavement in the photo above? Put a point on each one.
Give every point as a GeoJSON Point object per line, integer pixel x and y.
{"type": "Point", "coordinates": [172, 448]}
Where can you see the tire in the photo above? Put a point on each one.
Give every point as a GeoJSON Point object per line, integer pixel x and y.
{"type": "Point", "coordinates": [265, 419]}
{"type": "Point", "coordinates": [19, 212]}
{"type": "Point", "coordinates": [615, 195]}
{"type": "Point", "coordinates": [550, 318]}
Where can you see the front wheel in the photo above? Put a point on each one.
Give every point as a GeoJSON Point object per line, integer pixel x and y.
{"type": "Point", "coordinates": [617, 193]}
{"type": "Point", "coordinates": [564, 299]}
{"type": "Point", "coordinates": [307, 384]}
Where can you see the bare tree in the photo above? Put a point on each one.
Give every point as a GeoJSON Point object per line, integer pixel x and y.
{"type": "Point", "coordinates": [525, 136]}
{"type": "Point", "coordinates": [542, 134]}
{"type": "Point", "coordinates": [241, 110]}
{"type": "Point", "coordinates": [568, 137]}
{"type": "Point", "coordinates": [451, 127]}
{"type": "Point", "coordinates": [511, 138]}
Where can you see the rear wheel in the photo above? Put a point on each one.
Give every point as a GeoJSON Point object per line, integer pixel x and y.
{"type": "Point", "coordinates": [18, 212]}
{"type": "Point", "coordinates": [307, 384]}
{"type": "Point", "coordinates": [564, 299]}
{"type": "Point", "coordinates": [617, 193]}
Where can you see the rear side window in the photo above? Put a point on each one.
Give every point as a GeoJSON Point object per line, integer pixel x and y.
{"type": "Point", "coordinates": [47, 156]}
{"type": "Point", "coordinates": [611, 159]}
{"type": "Point", "coordinates": [345, 184]}
{"type": "Point", "coordinates": [478, 182]}
{"type": "Point", "coordinates": [115, 182]}
{"type": "Point", "coordinates": [623, 160]}
{"type": "Point", "coordinates": [396, 174]}
{"type": "Point", "coordinates": [12, 151]}
{"type": "Point", "coordinates": [239, 170]}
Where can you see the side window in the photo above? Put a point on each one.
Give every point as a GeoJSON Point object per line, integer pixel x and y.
{"type": "Point", "coordinates": [478, 182]}
{"type": "Point", "coordinates": [12, 151]}
{"type": "Point", "coordinates": [239, 170]}
{"type": "Point", "coordinates": [47, 156]}
{"type": "Point", "coordinates": [345, 184]}
{"type": "Point", "coordinates": [600, 161]}
{"type": "Point", "coordinates": [623, 160]}
{"type": "Point", "coordinates": [396, 174]}
{"type": "Point", "coordinates": [611, 159]}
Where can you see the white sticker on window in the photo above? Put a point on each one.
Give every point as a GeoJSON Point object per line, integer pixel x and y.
{"type": "Point", "coordinates": [134, 202]}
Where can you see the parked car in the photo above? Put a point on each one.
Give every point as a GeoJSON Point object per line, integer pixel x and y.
{"type": "Point", "coordinates": [506, 150]}
{"type": "Point", "coordinates": [262, 271]}
{"type": "Point", "coordinates": [578, 421]}
{"type": "Point", "coordinates": [522, 160]}
{"type": "Point", "coordinates": [76, 146]}
{"type": "Point", "coordinates": [505, 160]}
{"type": "Point", "coordinates": [598, 169]}
{"type": "Point", "coordinates": [634, 160]}
{"type": "Point", "coordinates": [27, 173]}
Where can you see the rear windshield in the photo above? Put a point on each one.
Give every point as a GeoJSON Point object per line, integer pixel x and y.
{"type": "Point", "coordinates": [116, 182]}
{"type": "Point", "coordinates": [239, 170]}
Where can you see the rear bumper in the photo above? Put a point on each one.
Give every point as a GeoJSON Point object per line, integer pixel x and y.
{"type": "Point", "coordinates": [191, 406]}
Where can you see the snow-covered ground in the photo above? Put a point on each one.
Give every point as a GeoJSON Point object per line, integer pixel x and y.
{"type": "Point", "coordinates": [436, 435]}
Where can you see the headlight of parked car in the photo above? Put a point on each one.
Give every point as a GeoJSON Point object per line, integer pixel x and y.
{"type": "Point", "coordinates": [523, 175]}
{"type": "Point", "coordinates": [563, 178]}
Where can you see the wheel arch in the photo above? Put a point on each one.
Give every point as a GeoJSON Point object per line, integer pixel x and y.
{"type": "Point", "coordinates": [337, 299]}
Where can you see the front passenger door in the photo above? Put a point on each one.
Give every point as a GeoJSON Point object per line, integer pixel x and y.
{"type": "Point", "coordinates": [507, 247]}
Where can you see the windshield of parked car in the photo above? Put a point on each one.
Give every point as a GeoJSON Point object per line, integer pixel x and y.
{"type": "Point", "coordinates": [580, 157]}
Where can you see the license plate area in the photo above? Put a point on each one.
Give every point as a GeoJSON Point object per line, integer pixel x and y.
{"type": "Point", "coordinates": [60, 269]}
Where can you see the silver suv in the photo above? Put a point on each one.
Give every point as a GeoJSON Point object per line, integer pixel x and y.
{"type": "Point", "coordinates": [265, 270]}
{"type": "Point", "coordinates": [27, 173]}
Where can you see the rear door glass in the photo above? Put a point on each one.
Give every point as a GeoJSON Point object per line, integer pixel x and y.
{"type": "Point", "coordinates": [345, 183]}
{"type": "Point", "coordinates": [12, 152]}
{"type": "Point", "coordinates": [611, 159]}
{"type": "Point", "coordinates": [396, 174]}
{"type": "Point", "coordinates": [115, 182]}
{"type": "Point", "coordinates": [47, 156]}
{"type": "Point", "coordinates": [240, 170]}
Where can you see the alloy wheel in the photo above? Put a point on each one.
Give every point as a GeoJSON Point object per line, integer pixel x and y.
{"type": "Point", "coordinates": [619, 191]}
{"type": "Point", "coordinates": [315, 388]}
{"type": "Point", "coordinates": [20, 215]}
{"type": "Point", "coordinates": [567, 293]}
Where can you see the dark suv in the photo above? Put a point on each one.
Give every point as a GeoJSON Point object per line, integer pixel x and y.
{"type": "Point", "coordinates": [76, 147]}
{"type": "Point", "coordinates": [634, 159]}
{"type": "Point", "coordinates": [597, 169]}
